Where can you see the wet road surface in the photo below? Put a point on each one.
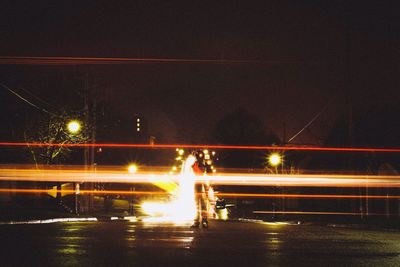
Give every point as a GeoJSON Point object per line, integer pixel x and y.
{"type": "Point", "coordinates": [118, 243]}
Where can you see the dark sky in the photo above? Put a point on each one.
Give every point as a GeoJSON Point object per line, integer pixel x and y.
{"type": "Point", "coordinates": [312, 53]}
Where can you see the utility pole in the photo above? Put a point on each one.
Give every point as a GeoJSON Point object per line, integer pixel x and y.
{"type": "Point", "coordinates": [86, 116]}
{"type": "Point", "coordinates": [283, 200]}
{"type": "Point", "coordinates": [350, 105]}
{"type": "Point", "coordinates": [86, 202]}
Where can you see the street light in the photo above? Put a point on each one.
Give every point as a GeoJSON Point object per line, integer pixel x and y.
{"type": "Point", "coordinates": [74, 126]}
{"type": "Point", "coordinates": [132, 168]}
{"type": "Point", "coordinates": [274, 159]}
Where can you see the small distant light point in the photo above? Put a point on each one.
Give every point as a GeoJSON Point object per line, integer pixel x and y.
{"type": "Point", "coordinates": [132, 168]}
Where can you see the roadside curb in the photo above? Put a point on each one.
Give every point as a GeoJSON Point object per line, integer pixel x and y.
{"type": "Point", "coordinates": [55, 220]}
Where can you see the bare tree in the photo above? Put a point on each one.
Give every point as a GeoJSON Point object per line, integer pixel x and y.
{"type": "Point", "coordinates": [50, 131]}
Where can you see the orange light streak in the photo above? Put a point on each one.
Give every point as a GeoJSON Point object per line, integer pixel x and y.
{"type": "Point", "coordinates": [239, 195]}
{"type": "Point", "coordinates": [115, 175]}
{"type": "Point", "coordinates": [257, 195]}
{"type": "Point", "coordinates": [317, 213]}
{"type": "Point", "coordinates": [202, 146]}
{"type": "Point", "coordinates": [71, 191]}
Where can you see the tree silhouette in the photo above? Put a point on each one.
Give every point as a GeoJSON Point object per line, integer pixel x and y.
{"type": "Point", "coordinates": [377, 127]}
{"type": "Point", "coordinates": [242, 128]}
{"type": "Point", "coordinates": [53, 130]}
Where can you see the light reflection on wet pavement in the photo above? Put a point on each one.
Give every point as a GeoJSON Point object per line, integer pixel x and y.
{"type": "Point", "coordinates": [224, 243]}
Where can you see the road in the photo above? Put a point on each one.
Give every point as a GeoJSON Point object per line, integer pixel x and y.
{"type": "Point", "coordinates": [120, 243]}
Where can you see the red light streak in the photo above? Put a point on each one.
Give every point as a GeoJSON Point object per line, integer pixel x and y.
{"type": "Point", "coordinates": [7, 60]}
{"type": "Point", "coordinates": [209, 146]}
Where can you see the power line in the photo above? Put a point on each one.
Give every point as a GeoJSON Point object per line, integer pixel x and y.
{"type": "Point", "coordinates": [26, 100]}
{"type": "Point", "coordinates": [309, 123]}
{"type": "Point", "coordinates": [38, 98]}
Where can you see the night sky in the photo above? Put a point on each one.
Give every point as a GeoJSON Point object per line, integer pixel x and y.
{"type": "Point", "coordinates": [310, 55]}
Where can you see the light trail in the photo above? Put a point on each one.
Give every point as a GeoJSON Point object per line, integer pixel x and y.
{"type": "Point", "coordinates": [317, 213]}
{"type": "Point", "coordinates": [162, 193]}
{"type": "Point", "coordinates": [320, 196]}
{"type": "Point", "coordinates": [81, 192]}
{"type": "Point", "coordinates": [239, 179]}
{"type": "Point", "coordinates": [203, 146]}
{"type": "Point", "coordinates": [14, 60]}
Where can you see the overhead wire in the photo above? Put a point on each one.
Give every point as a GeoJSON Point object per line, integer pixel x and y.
{"type": "Point", "coordinates": [37, 98]}
{"type": "Point", "coordinates": [26, 100]}
{"type": "Point", "coordinates": [309, 123]}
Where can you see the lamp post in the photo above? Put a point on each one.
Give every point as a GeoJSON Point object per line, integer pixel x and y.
{"type": "Point", "coordinates": [132, 169]}
{"type": "Point", "coordinates": [74, 127]}
{"type": "Point", "coordinates": [274, 159]}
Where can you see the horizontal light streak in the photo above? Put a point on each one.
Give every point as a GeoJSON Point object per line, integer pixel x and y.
{"type": "Point", "coordinates": [209, 146]}
{"type": "Point", "coordinates": [119, 176]}
{"type": "Point", "coordinates": [226, 195]}
{"type": "Point", "coordinates": [8, 60]}
{"type": "Point", "coordinates": [256, 195]}
{"type": "Point", "coordinates": [81, 192]}
{"type": "Point", "coordinates": [317, 213]}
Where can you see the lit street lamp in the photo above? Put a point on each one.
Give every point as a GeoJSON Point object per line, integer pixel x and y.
{"type": "Point", "coordinates": [74, 126]}
{"type": "Point", "coordinates": [132, 168]}
{"type": "Point", "coordinates": [274, 159]}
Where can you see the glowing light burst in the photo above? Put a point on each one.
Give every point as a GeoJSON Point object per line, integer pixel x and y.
{"type": "Point", "coordinates": [274, 159]}
{"type": "Point", "coordinates": [183, 208]}
{"type": "Point", "coordinates": [186, 203]}
{"type": "Point", "coordinates": [74, 126]}
{"type": "Point", "coordinates": [132, 168]}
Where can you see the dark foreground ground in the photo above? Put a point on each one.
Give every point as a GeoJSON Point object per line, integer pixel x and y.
{"type": "Point", "coordinates": [117, 243]}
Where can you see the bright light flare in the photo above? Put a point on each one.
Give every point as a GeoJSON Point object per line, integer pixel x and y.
{"type": "Point", "coordinates": [132, 168]}
{"type": "Point", "coordinates": [74, 126]}
{"type": "Point", "coordinates": [183, 208]}
{"type": "Point", "coordinates": [274, 159]}
{"type": "Point", "coordinates": [175, 211]}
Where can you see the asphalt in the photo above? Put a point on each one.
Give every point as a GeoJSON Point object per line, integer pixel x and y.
{"type": "Point", "coordinates": [124, 243]}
